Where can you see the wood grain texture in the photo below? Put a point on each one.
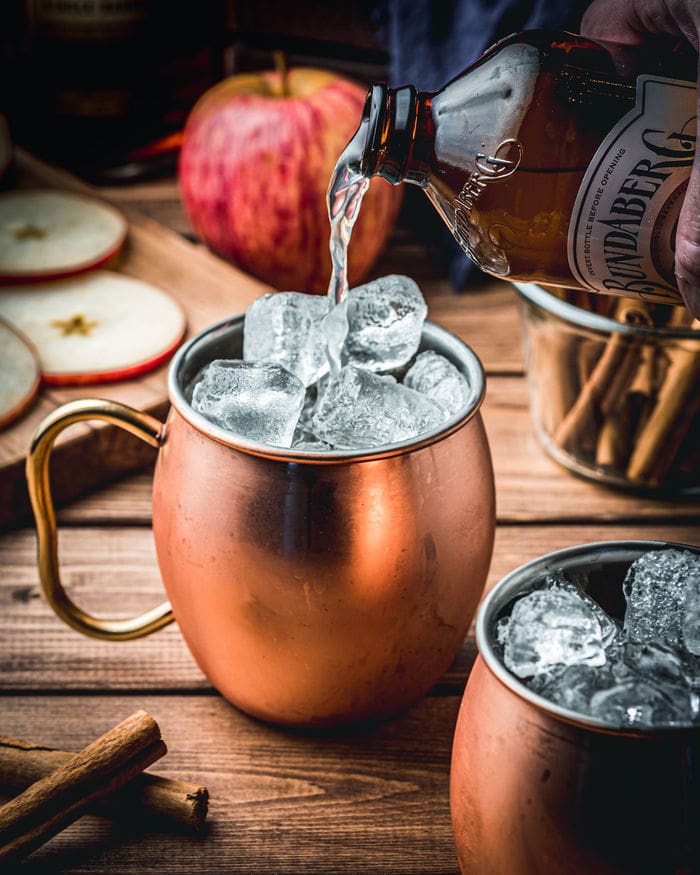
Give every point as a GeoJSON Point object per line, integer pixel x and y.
{"type": "Point", "coordinates": [363, 800]}
{"type": "Point", "coordinates": [112, 572]}
{"type": "Point", "coordinates": [159, 200]}
{"type": "Point", "coordinates": [207, 288]}
{"type": "Point", "coordinates": [530, 487]}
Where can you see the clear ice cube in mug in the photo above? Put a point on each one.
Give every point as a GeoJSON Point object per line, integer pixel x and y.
{"type": "Point", "coordinates": [358, 406]}
{"type": "Point", "coordinates": [260, 401]}
{"type": "Point", "coordinates": [564, 646]}
{"type": "Point", "coordinates": [578, 769]}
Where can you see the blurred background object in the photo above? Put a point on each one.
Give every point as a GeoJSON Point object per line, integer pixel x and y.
{"type": "Point", "coordinates": [103, 87]}
{"type": "Point", "coordinates": [257, 153]}
{"type": "Point", "coordinates": [88, 81]}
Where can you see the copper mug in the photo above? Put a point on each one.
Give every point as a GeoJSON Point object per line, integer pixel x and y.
{"type": "Point", "coordinates": [536, 789]}
{"type": "Point", "coordinates": [311, 588]}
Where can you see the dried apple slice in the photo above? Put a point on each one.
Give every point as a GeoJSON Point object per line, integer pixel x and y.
{"type": "Point", "coordinates": [95, 328]}
{"type": "Point", "coordinates": [19, 366]}
{"type": "Point", "coordinates": [47, 234]}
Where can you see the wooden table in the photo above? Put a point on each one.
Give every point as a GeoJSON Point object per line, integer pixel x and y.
{"type": "Point", "coordinates": [364, 801]}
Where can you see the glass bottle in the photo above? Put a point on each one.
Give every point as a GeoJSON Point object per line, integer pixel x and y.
{"type": "Point", "coordinates": [552, 159]}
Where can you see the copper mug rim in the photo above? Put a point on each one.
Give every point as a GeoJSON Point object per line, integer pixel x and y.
{"type": "Point", "coordinates": [192, 356]}
{"type": "Point", "coordinates": [525, 578]}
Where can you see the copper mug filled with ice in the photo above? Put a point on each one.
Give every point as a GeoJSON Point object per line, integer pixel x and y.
{"type": "Point", "coordinates": [323, 534]}
{"type": "Point", "coordinates": [577, 742]}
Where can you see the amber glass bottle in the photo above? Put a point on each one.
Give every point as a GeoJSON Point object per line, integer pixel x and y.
{"type": "Point", "coordinates": [552, 159]}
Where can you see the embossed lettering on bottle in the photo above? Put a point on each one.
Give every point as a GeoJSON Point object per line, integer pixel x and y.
{"type": "Point", "coordinates": [487, 169]}
{"type": "Point", "coordinates": [623, 225]}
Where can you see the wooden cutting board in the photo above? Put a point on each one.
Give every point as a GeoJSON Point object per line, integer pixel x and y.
{"type": "Point", "coordinates": [92, 453]}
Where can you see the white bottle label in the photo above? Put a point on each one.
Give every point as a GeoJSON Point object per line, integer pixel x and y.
{"type": "Point", "coordinates": [623, 225]}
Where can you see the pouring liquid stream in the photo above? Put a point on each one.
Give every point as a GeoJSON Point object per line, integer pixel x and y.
{"type": "Point", "coordinates": [345, 192]}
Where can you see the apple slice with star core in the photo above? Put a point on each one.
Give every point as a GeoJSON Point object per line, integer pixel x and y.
{"type": "Point", "coordinates": [96, 328]}
{"type": "Point", "coordinates": [19, 367]}
{"type": "Point", "coordinates": [46, 234]}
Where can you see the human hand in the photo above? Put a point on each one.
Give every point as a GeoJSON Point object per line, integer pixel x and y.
{"type": "Point", "coordinates": [634, 22]}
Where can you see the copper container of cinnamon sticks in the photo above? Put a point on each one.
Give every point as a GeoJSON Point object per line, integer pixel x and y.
{"type": "Point", "coordinates": [615, 388]}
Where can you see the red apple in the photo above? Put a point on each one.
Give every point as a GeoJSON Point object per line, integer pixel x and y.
{"type": "Point", "coordinates": [257, 155]}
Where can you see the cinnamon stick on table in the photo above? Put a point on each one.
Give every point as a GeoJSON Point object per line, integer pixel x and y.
{"type": "Point", "coordinates": [105, 765]}
{"type": "Point", "coordinates": [179, 802]}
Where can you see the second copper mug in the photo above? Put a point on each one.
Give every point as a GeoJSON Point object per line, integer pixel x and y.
{"type": "Point", "coordinates": [311, 588]}
{"type": "Point", "coordinates": [537, 789]}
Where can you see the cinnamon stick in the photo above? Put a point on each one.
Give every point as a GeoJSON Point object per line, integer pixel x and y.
{"type": "Point", "coordinates": [52, 803]}
{"type": "Point", "coordinates": [660, 438]}
{"type": "Point", "coordinates": [668, 459]}
{"type": "Point", "coordinates": [184, 804]}
{"type": "Point", "coordinates": [607, 381]}
{"type": "Point", "coordinates": [588, 353]}
{"type": "Point", "coordinates": [625, 408]}
{"type": "Point", "coordinates": [613, 444]}
{"type": "Point", "coordinates": [552, 354]}
{"type": "Point", "coordinates": [644, 380]}
{"type": "Point", "coordinates": [592, 393]}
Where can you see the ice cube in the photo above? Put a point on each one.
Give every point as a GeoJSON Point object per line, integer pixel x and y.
{"type": "Point", "coordinates": [654, 662]}
{"type": "Point", "coordinates": [610, 631]}
{"type": "Point", "coordinates": [434, 375]}
{"type": "Point", "coordinates": [662, 668]}
{"type": "Point", "coordinates": [385, 319]}
{"type": "Point", "coordinates": [257, 400]}
{"type": "Point", "coordinates": [361, 410]}
{"type": "Point", "coordinates": [285, 328]}
{"type": "Point", "coordinates": [335, 329]}
{"type": "Point", "coordinates": [690, 622]}
{"type": "Point", "coordinates": [655, 589]}
{"type": "Point", "coordinates": [549, 627]}
{"type": "Point", "coordinates": [636, 702]}
{"type": "Point", "coordinates": [303, 430]}
{"type": "Point", "coordinates": [574, 686]}
{"type": "Point", "coordinates": [502, 627]}
{"type": "Point", "coordinates": [312, 446]}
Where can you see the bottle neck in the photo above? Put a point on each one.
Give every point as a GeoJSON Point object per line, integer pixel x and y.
{"type": "Point", "coordinates": [393, 117]}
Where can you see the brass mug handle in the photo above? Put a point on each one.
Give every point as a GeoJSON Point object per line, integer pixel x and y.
{"type": "Point", "coordinates": [140, 424]}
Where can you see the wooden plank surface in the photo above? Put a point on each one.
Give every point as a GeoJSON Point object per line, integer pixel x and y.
{"type": "Point", "coordinates": [112, 571]}
{"type": "Point", "coordinates": [372, 800]}
{"type": "Point", "coordinates": [530, 487]}
{"type": "Point", "coordinates": [207, 288]}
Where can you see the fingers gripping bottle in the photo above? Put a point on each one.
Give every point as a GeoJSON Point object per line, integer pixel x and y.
{"type": "Point", "coordinates": [552, 159]}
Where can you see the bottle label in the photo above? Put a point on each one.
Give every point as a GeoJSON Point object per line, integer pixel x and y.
{"type": "Point", "coordinates": [623, 225]}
